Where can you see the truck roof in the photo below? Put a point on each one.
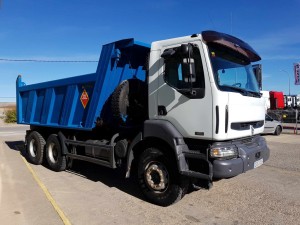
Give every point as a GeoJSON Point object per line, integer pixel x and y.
{"type": "Point", "coordinates": [214, 37]}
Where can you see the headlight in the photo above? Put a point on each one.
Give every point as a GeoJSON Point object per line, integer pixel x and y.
{"type": "Point", "coordinates": [223, 152]}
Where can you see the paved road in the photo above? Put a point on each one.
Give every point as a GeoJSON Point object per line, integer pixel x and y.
{"type": "Point", "coordinates": [90, 194]}
{"type": "Point", "coordinates": [21, 200]}
{"type": "Point", "coordinates": [12, 130]}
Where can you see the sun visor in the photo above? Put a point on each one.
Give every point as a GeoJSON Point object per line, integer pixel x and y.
{"type": "Point", "coordinates": [232, 43]}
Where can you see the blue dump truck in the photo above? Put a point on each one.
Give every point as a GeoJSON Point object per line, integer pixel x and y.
{"type": "Point", "coordinates": [177, 113]}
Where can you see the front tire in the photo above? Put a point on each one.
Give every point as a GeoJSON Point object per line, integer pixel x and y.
{"type": "Point", "coordinates": [56, 160]}
{"type": "Point", "coordinates": [159, 179]}
{"type": "Point", "coordinates": [35, 148]}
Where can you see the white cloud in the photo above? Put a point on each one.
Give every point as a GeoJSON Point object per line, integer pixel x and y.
{"type": "Point", "coordinates": [281, 57]}
{"type": "Point", "coordinates": [266, 76]}
{"type": "Point", "coordinates": [281, 36]}
{"type": "Point", "coordinates": [279, 45]}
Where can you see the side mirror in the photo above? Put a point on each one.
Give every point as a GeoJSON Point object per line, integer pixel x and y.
{"type": "Point", "coordinates": [188, 69]}
{"type": "Point", "coordinates": [188, 63]}
{"type": "Point", "coordinates": [186, 50]}
{"type": "Point", "coordinates": [168, 53]}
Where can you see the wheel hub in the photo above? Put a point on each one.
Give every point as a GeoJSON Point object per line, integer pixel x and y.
{"type": "Point", "coordinates": [32, 148]}
{"type": "Point", "coordinates": [53, 153]}
{"type": "Point", "coordinates": [157, 176]}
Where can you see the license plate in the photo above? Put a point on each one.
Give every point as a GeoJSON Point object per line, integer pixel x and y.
{"type": "Point", "coordinates": [258, 163]}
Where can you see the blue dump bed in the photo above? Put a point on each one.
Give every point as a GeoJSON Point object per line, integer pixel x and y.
{"type": "Point", "coordinates": [77, 102]}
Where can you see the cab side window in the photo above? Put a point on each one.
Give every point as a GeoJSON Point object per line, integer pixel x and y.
{"type": "Point", "coordinates": [177, 76]}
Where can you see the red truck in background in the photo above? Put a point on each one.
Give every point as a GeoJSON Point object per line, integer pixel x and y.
{"type": "Point", "coordinates": [277, 105]}
{"type": "Point", "coordinates": [276, 100]}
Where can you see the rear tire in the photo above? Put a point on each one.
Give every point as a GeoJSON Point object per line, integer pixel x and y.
{"type": "Point", "coordinates": [159, 179]}
{"type": "Point", "coordinates": [35, 148]}
{"type": "Point", "coordinates": [56, 160]}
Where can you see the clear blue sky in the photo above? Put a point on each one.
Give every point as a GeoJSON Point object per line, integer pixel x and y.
{"type": "Point", "coordinates": [76, 30]}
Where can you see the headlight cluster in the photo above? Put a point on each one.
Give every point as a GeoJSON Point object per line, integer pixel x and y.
{"type": "Point", "coordinates": [224, 152]}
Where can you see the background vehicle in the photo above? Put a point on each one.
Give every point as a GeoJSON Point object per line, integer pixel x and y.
{"type": "Point", "coordinates": [177, 112]}
{"type": "Point", "coordinates": [272, 126]}
{"type": "Point", "coordinates": [276, 100]}
{"type": "Point", "coordinates": [279, 106]}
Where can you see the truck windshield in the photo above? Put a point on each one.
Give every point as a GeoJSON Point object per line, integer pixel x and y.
{"type": "Point", "coordinates": [233, 71]}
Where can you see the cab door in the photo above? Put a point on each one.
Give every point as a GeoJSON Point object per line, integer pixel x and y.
{"type": "Point", "coordinates": [184, 93]}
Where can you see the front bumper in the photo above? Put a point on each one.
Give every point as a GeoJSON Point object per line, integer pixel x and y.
{"type": "Point", "coordinates": [250, 150]}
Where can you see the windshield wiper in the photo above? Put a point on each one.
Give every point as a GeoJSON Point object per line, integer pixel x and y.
{"type": "Point", "coordinates": [256, 94]}
{"type": "Point", "coordinates": [240, 90]}
{"type": "Point", "coordinates": [243, 91]}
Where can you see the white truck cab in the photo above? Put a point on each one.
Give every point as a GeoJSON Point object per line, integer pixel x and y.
{"type": "Point", "coordinates": [218, 99]}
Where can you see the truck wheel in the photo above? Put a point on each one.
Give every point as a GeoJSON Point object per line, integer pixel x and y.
{"type": "Point", "coordinates": [278, 131]}
{"type": "Point", "coordinates": [158, 178]}
{"type": "Point", "coordinates": [55, 159]}
{"type": "Point", "coordinates": [129, 102]}
{"type": "Point", "coordinates": [35, 148]}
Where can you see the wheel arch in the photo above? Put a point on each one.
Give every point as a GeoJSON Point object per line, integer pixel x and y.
{"type": "Point", "coordinates": [153, 142]}
{"type": "Point", "coordinates": [160, 134]}
{"type": "Point", "coordinates": [62, 139]}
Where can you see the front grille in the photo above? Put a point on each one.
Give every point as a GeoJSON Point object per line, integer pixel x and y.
{"type": "Point", "coordinates": [246, 125]}
{"type": "Point", "coordinates": [247, 140]}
